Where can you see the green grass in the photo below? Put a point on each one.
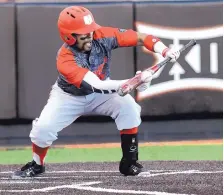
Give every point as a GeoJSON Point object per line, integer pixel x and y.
{"type": "Point", "coordinates": [192, 152]}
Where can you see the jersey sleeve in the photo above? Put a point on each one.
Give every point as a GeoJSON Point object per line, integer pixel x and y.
{"type": "Point", "coordinates": [68, 67]}
{"type": "Point", "coordinates": [116, 37]}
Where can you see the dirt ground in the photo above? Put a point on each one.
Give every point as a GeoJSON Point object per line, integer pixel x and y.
{"type": "Point", "coordinates": [158, 178]}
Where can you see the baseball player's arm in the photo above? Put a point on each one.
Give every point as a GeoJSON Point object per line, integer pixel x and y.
{"type": "Point", "coordinates": [127, 38]}
{"type": "Point", "coordinates": [154, 44]}
{"type": "Point", "coordinates": [92, 83]}
{"type": "Point", "coordinates": [82, 77]}
{"type": "Point", "coordinates": [67, 66]}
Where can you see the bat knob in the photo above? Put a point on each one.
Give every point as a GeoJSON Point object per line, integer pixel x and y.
{"type": "Point", "coordinates": [123, 90]}
{"type": "Point", "coordinates": [194, 42]}
{"type": "Point", "coordinates": [120, 92]}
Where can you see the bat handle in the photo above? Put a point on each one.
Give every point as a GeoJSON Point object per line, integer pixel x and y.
{"type": "Point", "coordinates": [189, 44]}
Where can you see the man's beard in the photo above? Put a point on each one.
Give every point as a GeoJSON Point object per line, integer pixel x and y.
{"type": "Point", "coordinates": [87, 46]}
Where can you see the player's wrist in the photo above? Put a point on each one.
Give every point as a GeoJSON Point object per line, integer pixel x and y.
{"type": "Point", "coordinates": [160, 48]}
{"type": "Point", "coordinates": [164, 52]}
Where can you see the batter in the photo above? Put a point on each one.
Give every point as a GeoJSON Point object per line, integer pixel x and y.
{"type": "Point", "coordinates": [84, 86]}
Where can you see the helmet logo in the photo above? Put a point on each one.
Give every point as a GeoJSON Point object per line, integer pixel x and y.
{"type": "Point", "coordinates": [88, 19]}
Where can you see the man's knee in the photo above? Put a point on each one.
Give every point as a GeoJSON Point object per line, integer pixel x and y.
{"type": "Point", "coordinates": [43, 134]}
{"type": "Point", "coordinates": [129, 116]}
{"type": "Point", "coordinates": [129, 108]}
{"type": "Point", "coordinates": [130, 104]}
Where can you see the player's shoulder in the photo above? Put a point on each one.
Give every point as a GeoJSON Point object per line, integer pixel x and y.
{"type": "Point", "coordinates": [64, 49]}
{"type": "Point", "coordinates": [65, 52]}
{"type": "Point", "coordinates": [104, 32]}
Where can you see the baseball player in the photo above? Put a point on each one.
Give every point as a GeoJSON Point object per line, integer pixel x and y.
{"type": "Point", "coordinates": [84, 86]}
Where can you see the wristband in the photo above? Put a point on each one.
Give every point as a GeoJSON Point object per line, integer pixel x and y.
{"type": "Point", "coordinates": [164, 52]}
{"type": "Point", "coordinates": [150, 41]}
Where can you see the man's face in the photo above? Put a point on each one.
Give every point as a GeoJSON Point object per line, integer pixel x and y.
{"type": "Point", "coordinates": [84, 42]}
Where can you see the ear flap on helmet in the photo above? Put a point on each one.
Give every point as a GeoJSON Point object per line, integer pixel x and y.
{"type": "Point", "coordinates": [69, 39]}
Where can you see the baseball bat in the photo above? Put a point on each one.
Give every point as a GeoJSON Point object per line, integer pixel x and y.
{"type": "Point", "coordinates": [134, 82]}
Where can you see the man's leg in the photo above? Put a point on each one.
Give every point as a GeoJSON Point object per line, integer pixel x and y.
{"type": "Point", "coordinates": [60, 111]}
{"type": "Point", "coordinates": [129, 145]}
{"type": "Point", "coordinates": [126, 113]}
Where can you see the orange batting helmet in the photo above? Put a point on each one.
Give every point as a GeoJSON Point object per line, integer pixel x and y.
{"type": "Point", "coordinates": [75, 20]}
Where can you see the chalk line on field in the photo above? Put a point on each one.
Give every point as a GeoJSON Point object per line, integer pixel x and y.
{"type": "Point", "coordinates": [86, 186]}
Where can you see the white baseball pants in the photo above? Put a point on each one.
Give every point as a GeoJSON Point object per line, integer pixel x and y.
{"type": "Point", "coordinates": [62, 109]}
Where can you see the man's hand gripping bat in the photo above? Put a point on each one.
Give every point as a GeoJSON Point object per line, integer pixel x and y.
{"type": "Point", "coordinates": [134, 82]}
